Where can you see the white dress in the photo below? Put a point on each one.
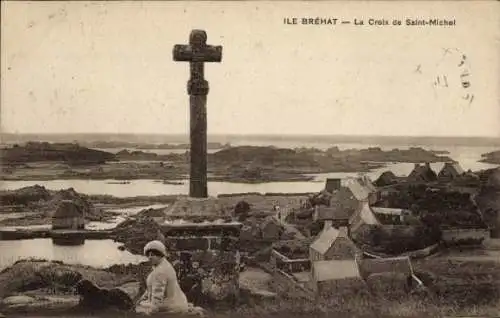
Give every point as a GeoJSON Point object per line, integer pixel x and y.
{"type": "Point", "coordinates": [163, 292]}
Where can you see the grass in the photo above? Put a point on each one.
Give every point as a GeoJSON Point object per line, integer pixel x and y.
{"type": "Point", "coordinates": [461, 288]}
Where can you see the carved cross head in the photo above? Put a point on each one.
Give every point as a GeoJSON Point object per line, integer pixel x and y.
{"type": "Point", "coordinates": [198, 39]}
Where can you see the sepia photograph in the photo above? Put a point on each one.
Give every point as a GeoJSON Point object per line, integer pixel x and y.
{"type": "Point", "coordinates": [250, 159]}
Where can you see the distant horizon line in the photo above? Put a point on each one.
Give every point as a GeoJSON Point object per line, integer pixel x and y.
{"type": "Point", "coordinates": [252, 135]}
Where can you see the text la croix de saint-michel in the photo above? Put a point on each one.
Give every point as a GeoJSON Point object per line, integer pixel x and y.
{"type": "Point", "coordinates": [370, 21]}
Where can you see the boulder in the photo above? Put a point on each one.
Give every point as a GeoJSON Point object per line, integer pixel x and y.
{"type": "Point", "coordinates": [132, 289]}
{"type": "Point", "coordinates": [30, 275]}
{"type": "Point", "coordinates": [96, 297]}
{"type": "Point", "coordinates": [59, 277]}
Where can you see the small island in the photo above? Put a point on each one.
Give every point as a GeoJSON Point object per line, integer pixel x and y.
{"type": "Point", "coordinates": [491, 157]}
{"type": "Point", "coordinates": [242, 164]}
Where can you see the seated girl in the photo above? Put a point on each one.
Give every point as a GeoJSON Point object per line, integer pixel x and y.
{"type": "Point", "coordinates": [163, 292]}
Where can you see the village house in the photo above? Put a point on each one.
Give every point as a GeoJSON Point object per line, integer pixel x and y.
{"type": "Point", "coordinates": [289, 265]}
{"type": "Point", "coordinates": [333, 276]}
{"type": "Point", "coordinates": [467, 183]}
{"type": "Point", "coordinates": [450, 171]}
{"type": "Point", "coordinates": [363, 189]}
{"type": "Point", "coordinates": [362, 217]}
{"type": "Point", "coordinates": [332, 244]}
{"type": "Point", "coordinates": [422, 173]}
{"type": "Point", "coordinates": [68, 216]}
{"type": "Point", "coordinates": [370, 266]}
{"type": "Point", "coordinates": [464, 236]}
{"type": "Point", "coordinates": [344, 200]}
{"type": "Point", "coordinates": [397, 272]}
{"type": "Point", "coordinates": [386, 178]}
{"type": "Point", "coordinates": [334, 214]}
{"type": "Point", "coordinates": [392, 215]}
{"type": "Point", "coordinates": [385, 193]}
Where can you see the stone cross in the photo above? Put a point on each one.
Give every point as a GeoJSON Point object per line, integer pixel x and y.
{"type": "Point", "coordinates": [197, 52]}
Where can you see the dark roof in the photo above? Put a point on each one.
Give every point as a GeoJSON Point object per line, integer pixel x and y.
{"type": "Point", "coordinates": [386, 178]}
{"type": "Point", "coordinates": [422, 173]}
{"type": "Point", "coordinates": [453, 168]}
{"type": "Point", "coordinates": [335, 212]}
{"type": "Point", "coordinates": [344, 200]}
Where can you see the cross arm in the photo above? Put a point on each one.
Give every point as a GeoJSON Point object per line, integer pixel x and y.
{"type": "Point", "coordinates": [208, 53]}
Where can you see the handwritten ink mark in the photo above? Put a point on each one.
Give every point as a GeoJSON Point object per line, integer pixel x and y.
{"type": "Point", "coordinates": [418, 69]}
{"type": "Point", "coordinates": [462, 62]}
{"type": "Point", "coordinates": [446, 51]}
{"type": "Point", "coordinates": [469, 97]}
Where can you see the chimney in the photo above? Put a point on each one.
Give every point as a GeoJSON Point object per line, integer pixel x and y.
{"type": "Point", "coordinates": [366, 179]}
{"type": "Point", "coordinates": [332, 184]}
{"type": "Point", "coordinates": [328, 224]}
{"type": "Point", "coordinates": [417, 165]}
{"type": "Point", "coordinates": [361, 179]}
{"type": "Point", "coordinates": [427, 165]}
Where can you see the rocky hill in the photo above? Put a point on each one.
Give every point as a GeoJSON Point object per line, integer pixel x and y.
{"type": "Point", "coordinates": [44, 151]}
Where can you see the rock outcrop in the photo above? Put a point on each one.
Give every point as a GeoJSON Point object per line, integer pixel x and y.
{"type": "Point", "coordinates": [25, 196]}
{"type": "Point", "coordinates": [31, 285]}
{"type": "Point", "coordinates": [491, 157]}
{"type": "Point", "coordinates": [46, 202]}
{"type": "Point", "coordinates": [26, 275]}
{"type": "Point", "coordinates": [44, 151]}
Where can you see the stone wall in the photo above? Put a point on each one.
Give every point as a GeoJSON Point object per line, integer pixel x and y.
{"type": "Point", "coordinates": [464, 236]}
{"type": "Point", "coordinates": [289, 265]}
{"type": "Point", "coordinates": [286, 284]}
{"type": "Point", "coordinates": [207, 259]}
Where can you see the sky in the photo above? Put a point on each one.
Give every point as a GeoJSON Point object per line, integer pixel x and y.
{"type": "Point", "coordinates": [107, 67]}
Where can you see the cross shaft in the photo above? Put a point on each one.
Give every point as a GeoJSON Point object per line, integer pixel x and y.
{"type": "Point", "coordinates": [197, 52]}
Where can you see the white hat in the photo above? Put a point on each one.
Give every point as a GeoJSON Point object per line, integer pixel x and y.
{"type": "Point", "coordinates": [155, 245]}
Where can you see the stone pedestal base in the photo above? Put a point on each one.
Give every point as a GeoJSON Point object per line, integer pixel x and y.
{"type": "Point", "coordinates": [186, 207]}
{"type": "Point", "coordinates": [205, 254]}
